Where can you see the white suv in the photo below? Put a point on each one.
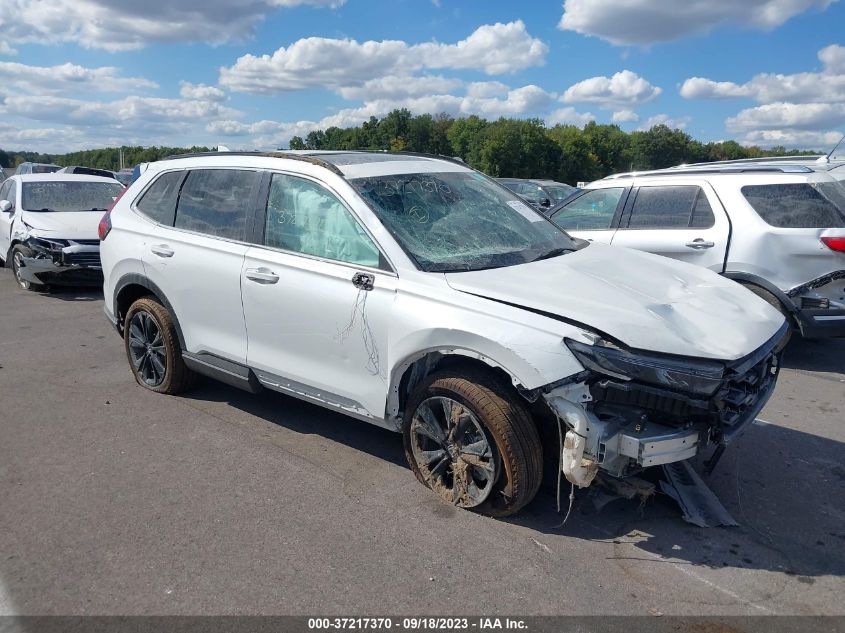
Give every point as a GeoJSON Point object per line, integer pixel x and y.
{"type": "Point", "coordinates": [775, 225]}
{"type": "Point", "coordinates": [419, 295]}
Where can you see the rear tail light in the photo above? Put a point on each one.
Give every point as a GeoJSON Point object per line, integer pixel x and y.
{"type": "Point", "coordinates": [104, 227]}
{"type": "Point", "coordinates": [834, 243]}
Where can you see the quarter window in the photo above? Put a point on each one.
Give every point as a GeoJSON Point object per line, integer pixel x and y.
{"type": "Point", "coordinates": [675, 207]}
{"type": "Point", "coordinates": [303, 217]}
{"type": "Point", "coordinates": [799, 205]}
{"type": "Point", "coordinates": [592, 211]}
{"type": "Point", "coordinates": [216, 202]}
{"type": "Point", "coordinates": [159, 201]}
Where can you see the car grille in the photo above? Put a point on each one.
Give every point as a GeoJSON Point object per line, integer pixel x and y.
{"type": "Point", "coordinates": [744, 394]}
{"type": "Point", "coordinates": [85, 258]}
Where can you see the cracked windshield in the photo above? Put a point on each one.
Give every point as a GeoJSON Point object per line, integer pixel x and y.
{"type": "Point", "coordinates": [452, 222]}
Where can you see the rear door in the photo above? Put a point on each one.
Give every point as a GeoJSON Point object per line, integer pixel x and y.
{"type": "Point", "coordinates": [196, 257]}
{"type": "Point", "coordinates": [594, 214]}
{"type": "Point", "coordinates": [679, 219]}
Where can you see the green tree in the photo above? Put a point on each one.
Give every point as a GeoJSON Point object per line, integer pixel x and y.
{"type": "Point", "coordinates": [297, 143]}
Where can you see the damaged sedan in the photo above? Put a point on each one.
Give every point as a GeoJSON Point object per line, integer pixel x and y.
{"type": "Point", "coordinates": [48, 227]}
{"type": "Point", "coordinates": [415, 293]}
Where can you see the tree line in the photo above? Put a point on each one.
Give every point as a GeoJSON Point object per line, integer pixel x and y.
{"type": "Point", "coordinates": [527, 148]}
{"type": "Point", "coordinates": [106, 158]}
{"type": "Point", "coordinates": [517, 148]}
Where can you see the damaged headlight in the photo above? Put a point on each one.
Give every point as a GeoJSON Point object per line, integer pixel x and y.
{"type": "Point", "coordinates": [690, 375]}
{"type": "Point", "coordinates": [44, 244]}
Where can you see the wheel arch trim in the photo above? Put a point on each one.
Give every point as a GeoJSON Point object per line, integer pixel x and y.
{"type": "Point", "coordinates": [136, 279]}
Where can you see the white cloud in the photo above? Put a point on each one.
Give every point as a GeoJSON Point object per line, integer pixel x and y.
{"type": "Point", "coordinates": [67, 79]}
{"type": "Point", "coordinates": [792, 138]}
{"type": "Point", "coordinates": [484, 89]}
{"type": "Point", "coordinates": [346, 63]}
{"type": "Point", "coordinates": [624, 116]}
{"type": "Point", "coordinates": [827, 86]}
{"type": "Point", "coordinates": [788, 116]}
{"type": "Point", "coordinates": [5, 49]}
{"type": "Point", "coordinates": [677, 123]}
{"type": "Point", "coordinates": [833, 57]}
{"type": "Point", "coordinates": [200, 92]}
{"type": "Point", "coordinates": [129, 25]}
{"type": "Point", "coordinates": [393, 87]}
{"type": "Point", "coordinates": [569, 116]}
{"type": "Point", "coordinates": [129, 112]}
{"type": "Point", "coordinates": [648, 21]}
{"type": "Point", "coordinates": [623, 88]}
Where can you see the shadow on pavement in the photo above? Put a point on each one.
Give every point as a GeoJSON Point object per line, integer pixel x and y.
{"type": "Point", "coordinates": [786, 489]}
{"type": "Point", "coordinates": [823, 355]}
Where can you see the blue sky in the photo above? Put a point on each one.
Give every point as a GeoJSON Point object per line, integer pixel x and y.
{"type": "Point", "coordinates": [252, 73]}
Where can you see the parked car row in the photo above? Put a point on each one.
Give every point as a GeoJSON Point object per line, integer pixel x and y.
{"type": "Point", "coordinates": [417, 294]}
{"type": "Point", "coordinates": [541, 194]}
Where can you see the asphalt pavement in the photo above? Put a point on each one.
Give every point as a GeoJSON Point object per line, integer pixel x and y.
{"type": "Point", "coordinates": [116, 500]}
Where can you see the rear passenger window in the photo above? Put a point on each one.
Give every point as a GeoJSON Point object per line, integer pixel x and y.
{"type": "Point", "coordinates": [216, 202]}
{"type": "Point", "coordinates": [673, 207]}
{"type": "Point", "coordinates": [159, 201]}
{"type": "Point", "coordinates": [799, 205]}
{"type": "Point", "coordinates": [303, 217]}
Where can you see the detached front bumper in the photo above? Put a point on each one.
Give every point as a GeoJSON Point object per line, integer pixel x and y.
{"type": "Point", "coordinates": [72, 265]}
{"type": "Point", "coordinates": [622, 427]}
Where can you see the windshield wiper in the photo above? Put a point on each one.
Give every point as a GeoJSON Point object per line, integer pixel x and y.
{"type": "Point", "coordinates": [44, 210]}
{"type": "Point", "coordinates": [553, 253]}
{"type": "Point", "coordinates": [95, 209]}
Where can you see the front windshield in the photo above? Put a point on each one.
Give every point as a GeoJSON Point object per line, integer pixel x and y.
{"type": "Point", "coordinates": [460, 221]}
{"type": "Point", "coordinates": [65, 195]}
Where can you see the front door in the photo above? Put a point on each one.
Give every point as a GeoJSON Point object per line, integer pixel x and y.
{"type": "Point", "coordinates": [317, 297]}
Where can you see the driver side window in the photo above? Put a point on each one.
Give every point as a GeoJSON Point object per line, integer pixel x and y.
{"type": "Point", "coordinates": [590, 212]}
{"type": "Point", "coordinates": [304, 217]}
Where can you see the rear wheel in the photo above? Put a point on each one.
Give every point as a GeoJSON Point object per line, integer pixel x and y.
{"type": "Point", "coordinates": [153, 350]}
{"type": "Point", "coordinates": [19, 252]}
{"type": "Point", "coordinates": [472, 442]}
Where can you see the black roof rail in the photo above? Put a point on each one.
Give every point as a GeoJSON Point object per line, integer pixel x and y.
{"type": "Point", "coordinates": [308, 158]}
{"type": "Point", "coordinates": [678, 171]}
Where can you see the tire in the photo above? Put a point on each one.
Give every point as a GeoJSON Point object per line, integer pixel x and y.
{"type": "Point", "coordinates": [18, 252]}
{"type": "Point", "coordinates": [497, 482]}
{"type": "Point", "coordinates": [152, 349]}
{"type": "Point", "coordinates": [773, 301]}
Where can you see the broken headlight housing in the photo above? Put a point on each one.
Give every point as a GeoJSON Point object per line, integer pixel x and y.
{"type": "Point", "coordinates": [44, 245]}
{"type": "Point", "coordinates": [689, 375]}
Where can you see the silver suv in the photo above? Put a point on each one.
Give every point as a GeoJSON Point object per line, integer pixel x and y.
{"type": "Point", "coordinates": [776, 226]}
{"type": "Point", "coordinates": [417, 294]}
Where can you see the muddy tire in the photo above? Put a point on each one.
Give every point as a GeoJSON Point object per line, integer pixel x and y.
{"type": "Point", "coordinates": [152, 348]}
{"type": "Point", "coordinates": [469, 439]}
{"type": "Point", "coordinates": [773, 301]}
{"type": "Point", "coordinates": [16, 256]}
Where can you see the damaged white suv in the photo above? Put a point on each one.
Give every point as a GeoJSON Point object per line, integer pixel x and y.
{"type": "Point", "coordinates": [419, 295]}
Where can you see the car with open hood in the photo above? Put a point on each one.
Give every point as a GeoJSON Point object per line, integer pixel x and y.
{"type": "Point", "coordinates": [48, 227]}
{"type": "Point", "coordinates": [417, 294]}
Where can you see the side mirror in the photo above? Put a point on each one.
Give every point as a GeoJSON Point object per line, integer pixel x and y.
{"type": "Point", "coordinates": [545, 202]}
{"type": "Point", "coordinates": [5, 206]}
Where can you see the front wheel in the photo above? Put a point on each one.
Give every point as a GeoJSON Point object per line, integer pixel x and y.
{"type": "Point", "coordinates": [153, 350]}
{"type": "Point", "coordinates": [473, 443]}
{"type": "Point", "coordinates": [18, 254]}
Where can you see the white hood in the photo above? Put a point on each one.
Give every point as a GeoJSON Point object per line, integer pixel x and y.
{"type": "Point", "coordinates": [645, 301]}
{"type": "Point", "coordinates": [69, 225]}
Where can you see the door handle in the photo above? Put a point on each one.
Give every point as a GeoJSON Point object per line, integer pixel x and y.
{"type": "Point", "coordinates": [162, 250]}
{"type": "Point", "coordinates": [699, 244]}
{"type": "Point", "coordinates": [364, 281]}
{"type": "Point", "coordinates": [261, 275]}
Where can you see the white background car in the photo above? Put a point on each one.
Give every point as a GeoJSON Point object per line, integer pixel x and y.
{"type": "Point", "coordinates": [48, 227]}
{"type": "Point", "coordinates": [417, 294]}
{"type": "Point", "coordinates": [776, 226]}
